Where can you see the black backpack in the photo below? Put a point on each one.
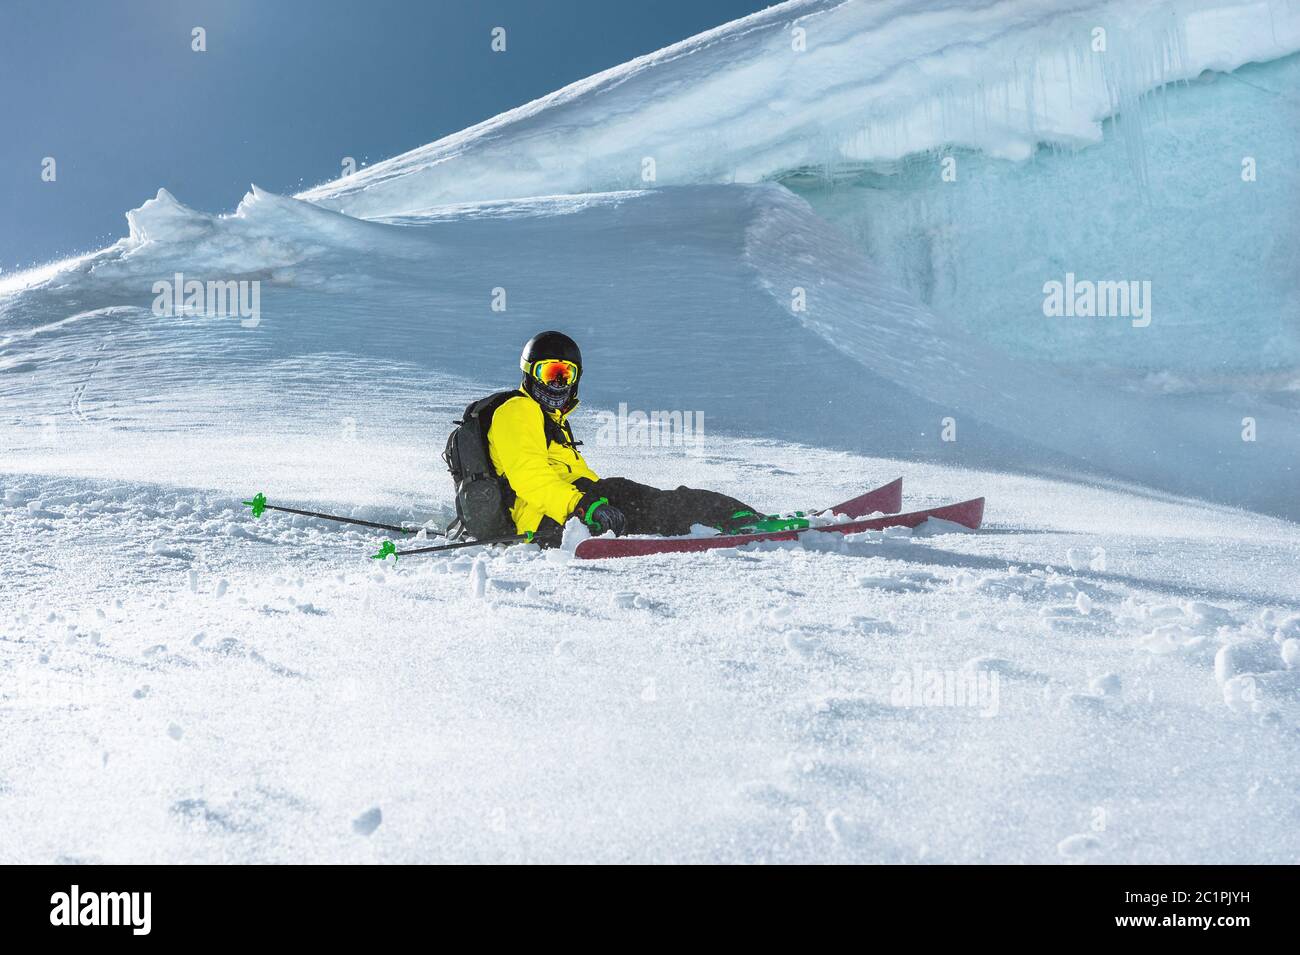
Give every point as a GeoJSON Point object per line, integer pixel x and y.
{"type": "Point", "coordinates": [483, 497]}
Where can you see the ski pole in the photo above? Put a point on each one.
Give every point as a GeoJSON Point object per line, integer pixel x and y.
{"type": "Point", "coordinates": [258, 504]}
{"type": "Point", "coordinates": [387, 549]}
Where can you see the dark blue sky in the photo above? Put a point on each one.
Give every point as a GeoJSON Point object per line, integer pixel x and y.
{"type": "Point", "coordinates": [112, 91]}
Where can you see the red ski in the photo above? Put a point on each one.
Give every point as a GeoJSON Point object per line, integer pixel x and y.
{"type": "Point", "coordinates": [967, 513]}
{"type": "Point", "coordinates": [886, 499]}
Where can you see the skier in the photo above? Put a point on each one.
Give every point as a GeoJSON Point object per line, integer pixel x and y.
{"type": "Point", "coordinates": [531, 446]}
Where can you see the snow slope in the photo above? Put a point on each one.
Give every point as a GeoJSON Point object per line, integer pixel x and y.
{"type": "Point", "coordinates": [187, 684]}
{"type": "Point", "coordinates": [873, 81]}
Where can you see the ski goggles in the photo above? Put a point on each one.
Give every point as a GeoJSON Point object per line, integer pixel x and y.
{"type": "Point", "coordinates": [555, 372]}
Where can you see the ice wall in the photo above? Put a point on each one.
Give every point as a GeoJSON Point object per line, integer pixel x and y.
{"type": "Point", "coordinates": [1218, 241]}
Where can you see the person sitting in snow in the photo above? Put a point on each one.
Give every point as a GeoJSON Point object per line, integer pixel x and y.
{"type": "Point", "coordinates": [531, 446]}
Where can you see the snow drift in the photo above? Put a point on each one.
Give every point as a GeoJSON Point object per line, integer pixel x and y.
{"type": "Point", "coordinates": [358, 315]}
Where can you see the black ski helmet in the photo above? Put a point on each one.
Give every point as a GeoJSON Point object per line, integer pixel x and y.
{"type": "Point", "coordinates": [556, 345]}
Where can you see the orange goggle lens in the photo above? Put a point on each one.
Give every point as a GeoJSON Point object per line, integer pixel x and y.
{"type": "Point", "coordinates": [554, 372]}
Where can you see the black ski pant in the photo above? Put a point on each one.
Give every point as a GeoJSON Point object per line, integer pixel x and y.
{"type": "Point", "coordinates": [650, 510]}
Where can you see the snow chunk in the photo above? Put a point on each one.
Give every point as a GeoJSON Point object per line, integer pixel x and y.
{"type": "Point", "coordinates": [478, 578]}
{"type": "Point", "coordinates": [164, 549]}
{"type": "Point", "coordinates": [1208, 617]}
{"type": "Point", "coordinates": [1078, 846]}
{"type": "Point", "coordinates": [1291, 652]}
{"type": "Point", "coordinates": [1246, 656]}
{"type": "Point", "coordinates": [366, 823]}
{"type": "Point", "coordinates": [933, 527]}
{"type": "Point", "coordinates": [844, 829]}
{"type": "Point", "coordinates": [1175, 638]}
{"type": "Point", "coordinates": [802, 644]}
{"type": "Point", "coordinates": [575, 532]}
{"type": "Point", "coordinates": [1288, 628]}
{"type": "Point", "coordinates": [1240, 693]}
{"type": "Point", "coordinates": [1107, 685]}
{"type": "Point", "coordinates": [163, 218]}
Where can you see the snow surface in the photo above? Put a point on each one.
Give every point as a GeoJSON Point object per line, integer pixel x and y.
{"type": "Point", "coordinates": [181, 682]}
{"type": "Point", "coordinates": [185, 683]}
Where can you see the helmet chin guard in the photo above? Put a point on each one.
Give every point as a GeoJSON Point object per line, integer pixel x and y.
{"type": "Point", "coordinates": [550, 398]}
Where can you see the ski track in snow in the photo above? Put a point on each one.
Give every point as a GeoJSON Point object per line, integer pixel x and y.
{"type": "Point", "coordinates": [188, 684]}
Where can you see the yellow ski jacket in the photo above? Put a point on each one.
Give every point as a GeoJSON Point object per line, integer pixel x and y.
{"type": "Point", "coordinates": [540, 471]}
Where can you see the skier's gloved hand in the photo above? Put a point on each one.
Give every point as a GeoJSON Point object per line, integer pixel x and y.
{"type": "Point", "coordinates": [600, 515]}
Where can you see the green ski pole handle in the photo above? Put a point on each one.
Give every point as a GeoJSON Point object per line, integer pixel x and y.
{"type": "Point", "coordinates": [388, 549]}
{"type": "Point", "coordinates": [259, 505]}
